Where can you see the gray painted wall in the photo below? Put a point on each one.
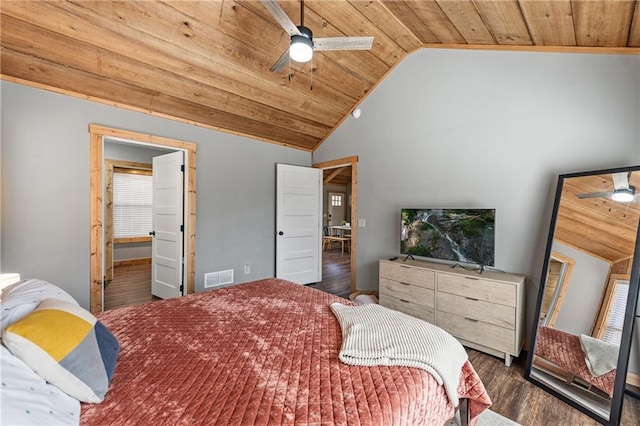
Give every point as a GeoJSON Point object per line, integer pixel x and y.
{"type": "Point", "coordinates": [582, 298]}
{"type": "Point", "coordinates": [127, 251]}
{"type": "Point", "coordinates": [1, 177]}
{"type": "Point", "coordinates": [116, 150]}
{"type": "Point", "coordinates": [446, 128]}
{"type": "Point", "coordinates": [456, 128]}
{"type": "Point", "coordinates": [45, 189]}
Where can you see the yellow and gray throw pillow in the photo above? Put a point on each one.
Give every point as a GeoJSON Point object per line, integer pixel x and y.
{"type": "Point", "coordinates": [67, 346]}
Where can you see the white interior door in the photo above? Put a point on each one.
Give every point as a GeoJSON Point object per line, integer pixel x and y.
{"type": "Point", "coordinates": [166, 270]}
{"type": "Point", "coordinates": [298, 227]}
{"type": "Point", "coordinates": [337, 207]}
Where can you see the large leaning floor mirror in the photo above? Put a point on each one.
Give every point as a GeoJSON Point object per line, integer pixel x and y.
{"type": "Point", "coordinates": [588, 293]}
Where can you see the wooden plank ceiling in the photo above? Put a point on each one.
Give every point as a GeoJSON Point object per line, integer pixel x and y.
{"type": "Point", "coordinates": [207, 62]}
{"type": "Point", "coordinates": [337, 176]}
{"type": "Point", "coordinates": [598, 226]}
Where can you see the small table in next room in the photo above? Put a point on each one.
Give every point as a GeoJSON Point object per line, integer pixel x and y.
{"type": "Point", "coordinates": [341, 234]}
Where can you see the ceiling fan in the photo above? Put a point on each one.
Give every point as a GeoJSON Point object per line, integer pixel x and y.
{"type": "Point", "coordinates": [622, 191]}
{"type": "Point", "coordinates": [302, 42]}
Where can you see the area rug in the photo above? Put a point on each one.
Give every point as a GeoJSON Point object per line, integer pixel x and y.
{"type": "Point", "coordinates": [487, 418]}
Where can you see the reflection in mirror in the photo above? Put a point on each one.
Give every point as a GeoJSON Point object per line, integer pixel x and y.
{"type": "Point", "coordinates": [588, 292]}
{"type": "Point", "coordinates": [558, 276]}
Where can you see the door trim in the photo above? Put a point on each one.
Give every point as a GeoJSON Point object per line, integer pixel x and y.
{"type": "Point", "coordinates": [353, 162]}
{"type": "Point", "coordinates": [96, 137]}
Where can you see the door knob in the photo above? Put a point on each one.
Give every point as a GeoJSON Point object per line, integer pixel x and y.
{"type": "Point", "coordinates": [280, 233]}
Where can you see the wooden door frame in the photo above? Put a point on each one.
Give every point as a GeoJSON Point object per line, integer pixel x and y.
{"type": "Point", "coordinates": [96, 160]}
{"type": "Point", "coordinates": [353, 162]}
{"type": "Point", "coordinates": [567, 270]}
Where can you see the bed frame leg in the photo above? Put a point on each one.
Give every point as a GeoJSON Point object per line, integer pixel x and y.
{"type": "Point", "coordinates": [465, 416]}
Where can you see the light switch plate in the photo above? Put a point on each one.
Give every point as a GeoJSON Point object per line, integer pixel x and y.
{"type": "Point", "coordinates": [361, 223]}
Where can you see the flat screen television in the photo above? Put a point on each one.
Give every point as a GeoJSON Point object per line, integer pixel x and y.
{"type": "Point", "coordinates": [457, 235]}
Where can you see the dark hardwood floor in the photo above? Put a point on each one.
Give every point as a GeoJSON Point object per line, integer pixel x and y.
{"type": "Point", "coordinates": [517, 399]}
{"type": "Point", "coordinates": [336, 273]}
{"type": "Point", "coordinates": [131, 285]}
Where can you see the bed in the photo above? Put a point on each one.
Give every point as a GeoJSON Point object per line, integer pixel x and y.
{"type": "Point", "coordinates": [563, 350]}
{"type": "Point", "coordinates": [259, 353]}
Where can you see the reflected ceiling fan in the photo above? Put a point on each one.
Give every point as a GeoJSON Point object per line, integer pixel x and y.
{"type": "Point", "coordinates": [303, 44]}
{"type": "Point", "coordinates": [622, 191]}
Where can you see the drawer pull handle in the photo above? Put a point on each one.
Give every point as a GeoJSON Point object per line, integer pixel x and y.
{"type": "Point", "coordinates": [472, 278]}
{"type": "Point", "coordinates": [471, 298]}
{"type": "Point", "coordinates": [404, 283]}
{"type": "Point", "coordinates": [471, 319]}
{"type": "Point", "coordinates": [405, 301]}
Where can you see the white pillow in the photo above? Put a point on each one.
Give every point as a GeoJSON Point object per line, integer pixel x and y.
{"type": "Point", "coordinates": [20, 299]}
{"type": "Point", "coordinates": [67, 346]}
{"type": "Point", "coordinates": [26, 399]}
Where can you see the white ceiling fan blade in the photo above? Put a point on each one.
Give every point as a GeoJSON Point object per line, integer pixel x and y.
{"type": "Point", "coordinates": [594, 195]}
{"type": "Point", "coordinates": [620, 180]}
{"type": "Point", "coordinates": [343, 43]}
{"type": "Point", "coordinates": [281, 62]}
{"type": "Point", "coordinates": [285, 22]}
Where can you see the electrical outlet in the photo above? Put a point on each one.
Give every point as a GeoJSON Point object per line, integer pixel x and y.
{"type": "Point", "coordinates": [247, 268]}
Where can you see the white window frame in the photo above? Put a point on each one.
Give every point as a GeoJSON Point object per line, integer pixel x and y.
{"type": "Point", "coordinates": [141, 182]}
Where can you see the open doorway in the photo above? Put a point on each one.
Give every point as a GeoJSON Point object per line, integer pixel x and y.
{"type": "Point", "coordinates": [339, 220]}
{"type": "Point", "coordinates": [99, 136]}
{"type": "Point", "coordinates": [128, 195]}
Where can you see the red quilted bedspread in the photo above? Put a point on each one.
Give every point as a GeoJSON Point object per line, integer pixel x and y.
{"type": "Point", "coordinates": [264, 352]}
{"type": "Point", "coordinates": [564, 350]}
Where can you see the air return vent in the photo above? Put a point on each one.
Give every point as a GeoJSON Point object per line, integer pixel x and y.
{"type": "Point", "coordinates": [219, 278]}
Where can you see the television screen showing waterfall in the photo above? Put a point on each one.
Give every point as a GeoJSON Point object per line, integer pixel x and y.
{"type": "Point", "coordinates": [459, 235]}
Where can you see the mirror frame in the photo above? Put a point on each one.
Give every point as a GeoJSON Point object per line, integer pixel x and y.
{"type": "Point", "coordinates": [615, 412]}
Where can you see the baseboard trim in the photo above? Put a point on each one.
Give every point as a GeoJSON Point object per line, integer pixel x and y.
{"type": "Point", "coordinates": [132, 262]}
{"type": "Point", "coordinates": [633, 379]}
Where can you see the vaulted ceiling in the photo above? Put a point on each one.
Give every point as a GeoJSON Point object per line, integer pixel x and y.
{"type": "Point", "coordinates": [208, 62]}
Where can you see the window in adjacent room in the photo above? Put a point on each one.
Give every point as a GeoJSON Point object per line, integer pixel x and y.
{"type": "Point", "coordinates": [132, 204]}
{"type": "Point", "coordinates": [610, 322]}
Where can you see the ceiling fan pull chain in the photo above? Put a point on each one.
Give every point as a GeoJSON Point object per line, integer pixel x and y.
{"type": "Point", "coordinates": [311, 71]}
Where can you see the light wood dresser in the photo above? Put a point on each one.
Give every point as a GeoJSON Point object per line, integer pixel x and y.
{"type": "Point", "coordinates": [483, 311]}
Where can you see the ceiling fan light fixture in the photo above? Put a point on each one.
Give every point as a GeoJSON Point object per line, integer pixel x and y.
{"type": "Point", "coordinates": [623, 195]}
{"type": "Point", "coordinates": [301, 48]}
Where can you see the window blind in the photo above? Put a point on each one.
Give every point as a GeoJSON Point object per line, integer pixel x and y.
{"type": "Point", "coordinates": [132, 203]}
{"type": "Point", "coordinates": [615, 317]}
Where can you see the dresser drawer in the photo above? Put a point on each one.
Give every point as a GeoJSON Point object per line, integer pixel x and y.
{"type": "Point", "coordinates": [504, 316]}
{"type": "Point", "coordinates": [479, 332]}
{"type": "Point", "coordinates": [408, 274]}
{"type": "Point", "coordinates": [477, 288]}
{"type": "Point", "coordinates": [408, 292]}
{"type": "Point", "coordinates": [409, 308]}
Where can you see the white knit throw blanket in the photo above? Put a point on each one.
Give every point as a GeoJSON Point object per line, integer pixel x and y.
{"type": "Point", "coordinates": [375, 335]}
{"type": "Point", "coordinates": [600, 357]}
